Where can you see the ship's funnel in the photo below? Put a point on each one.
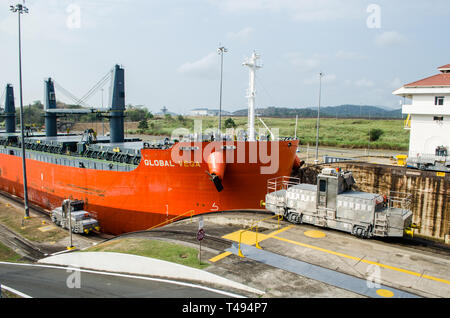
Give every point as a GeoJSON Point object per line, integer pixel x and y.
{"type": "Point", "coordinates": [116, 126]}
{"type": "Point", "coordinates": [50, 103]}
{"type": "Point", "coordinates": [10, 110]}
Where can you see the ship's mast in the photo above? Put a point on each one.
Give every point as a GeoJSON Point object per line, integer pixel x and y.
{"type": "Point", "coordinates": [251, 64]}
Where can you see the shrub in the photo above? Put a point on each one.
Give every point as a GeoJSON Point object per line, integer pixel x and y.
{"type": "Point", "coordinates": [375, 134]}
{"type": "Point", "coordinates": [143, 124]}
{"type": "Point", "coordinates": [229, 123]}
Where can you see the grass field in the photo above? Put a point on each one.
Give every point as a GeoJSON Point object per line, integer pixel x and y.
{"type": "Point", "coordinates": [166, 251]}
{"type": "Point", "coordinates": [346, 133]}
{"type": "Point", "coordinates": [8, 255]}
{"type": "Point", "coordinates": [13, 218]}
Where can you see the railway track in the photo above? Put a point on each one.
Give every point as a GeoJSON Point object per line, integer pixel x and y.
{"type": "Point", "coordinates": [35, 252]}
{"type": "Point", "coordinates": [19, 244]}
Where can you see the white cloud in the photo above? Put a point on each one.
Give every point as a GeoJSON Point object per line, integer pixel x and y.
{"type": "Point", "coordinates": [202, 68]}
{"type": "Point", "coordinates": [300, 10]}
{"type": "Point", "coordinates": [390, 38]}
{"type": "Point", "coordinates": [327, 78]}
{"type": "Point", "coordinates": [242, 35]}
{"type": "Point", "coordinates": [52, 19]}
{"type": "Point", "coordinates": [364, 83]}
{"type": "Point", "coordinates": [301, 62]}
{"type": "Point", "coordinates": [348, 55]}
{"type": "Point", "coordinates": [395, 83]}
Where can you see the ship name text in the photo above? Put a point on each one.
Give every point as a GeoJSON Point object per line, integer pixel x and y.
{"type": "Point", "coordinates": [169, 163]}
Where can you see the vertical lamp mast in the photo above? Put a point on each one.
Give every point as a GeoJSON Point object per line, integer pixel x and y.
{"type": "Point", "coordinates": [221, 50]}
{"type": "Point", "coordinates": [21, 9]}
{"type": "Point", "coordinates": [318, 119]}
{"type": "Point", "coordinates": [251, 64]}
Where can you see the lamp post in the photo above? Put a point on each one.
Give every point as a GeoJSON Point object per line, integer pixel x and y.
{"type": "Point", "coordinates": [21, 9]}
{"type": "Point", "coordinates": [318, 119]}
{"type": "Point", "coordinates": [221, 50]}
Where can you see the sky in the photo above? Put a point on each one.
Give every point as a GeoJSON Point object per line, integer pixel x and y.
{"type": "Point", "coordinates": [365, 49]}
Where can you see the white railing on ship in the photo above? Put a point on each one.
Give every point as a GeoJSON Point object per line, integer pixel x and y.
{"type": "Point", "coordinates": [281, 183]}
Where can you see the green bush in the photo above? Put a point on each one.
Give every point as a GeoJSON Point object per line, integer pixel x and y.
{"type": "Point", "coordinates": [143, 124]}
{"type": "Point", "coordinates": [229, 123]}
{"type": "Point", "coordinates": [375, 134]}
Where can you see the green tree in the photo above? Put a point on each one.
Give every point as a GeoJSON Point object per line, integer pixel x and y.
{"type": "Point", "coordinates": [136, 113]}
{"type": "Point", "coordinates": [229, 123]}
{"type": "Point", "coordinates": [143, 124]}
{"type": "Point", "coordinates": [33, 114]}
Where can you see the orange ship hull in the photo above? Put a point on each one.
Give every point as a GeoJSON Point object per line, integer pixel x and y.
{"type": "Point", "coordinates": [160, 188]}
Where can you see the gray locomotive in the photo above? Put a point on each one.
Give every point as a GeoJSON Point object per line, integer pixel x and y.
{"type": "Point", "coordinates": [333, 204]}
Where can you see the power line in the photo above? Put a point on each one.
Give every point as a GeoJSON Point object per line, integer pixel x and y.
{"type": "Point", "coordinates": [82, 101]}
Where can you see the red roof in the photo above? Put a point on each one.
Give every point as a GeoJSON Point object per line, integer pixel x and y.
{"type": "Point", "coordinates": [444, 66]}
{"type": "Point", "coordinates": [442, 79]}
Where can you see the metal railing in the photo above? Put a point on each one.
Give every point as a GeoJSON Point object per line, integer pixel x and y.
{"type": "Point", "coordinates": [191, 212]}
{"type": "Point", "coordinates": [400, 200]}
{"type": "Point", "coordinates": [281, 183]}
{"type": "Point", "coordinates": [256, 226]}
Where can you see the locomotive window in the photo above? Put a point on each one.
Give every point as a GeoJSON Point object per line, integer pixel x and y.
{"type": "Point", "coordinates": [323, 185]}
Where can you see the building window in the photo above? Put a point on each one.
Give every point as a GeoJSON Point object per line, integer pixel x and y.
{"type": "Point", "coordinates": [438, 118]}
{"type": "Point", "coordinates": [439, 100]}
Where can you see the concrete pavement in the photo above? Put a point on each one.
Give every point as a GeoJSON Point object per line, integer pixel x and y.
{"type": "Point", "coordinates": [146, 266]}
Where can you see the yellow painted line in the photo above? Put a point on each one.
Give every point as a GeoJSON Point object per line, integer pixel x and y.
{"type": "Point", "coordinates": [279, 231]}
{"type": "Point", "coordinates": [363, 260]}
{"type": "Point", "coordinates": [316, 248]}
{"type": "Point", "coordinates": [436, 279]}
{"type": "Point", "coordinates": [219, 257]}
{"type": "Point", "coordinates": [248, 238]}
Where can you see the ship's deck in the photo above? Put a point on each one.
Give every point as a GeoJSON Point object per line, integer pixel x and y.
{"type": "Point", "coordinates": [68, 160]}
{"type": "Point", "coordinates": [75, 150]}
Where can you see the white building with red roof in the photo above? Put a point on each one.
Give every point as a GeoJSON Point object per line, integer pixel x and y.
{"type": "Point", "coordinates": [428, 120]}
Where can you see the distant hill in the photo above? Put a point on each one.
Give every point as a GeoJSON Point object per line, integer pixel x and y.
{"type": "Point", "coordinates": [342, 111]}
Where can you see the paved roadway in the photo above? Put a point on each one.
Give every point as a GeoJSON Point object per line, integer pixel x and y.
{"type": "Point", "coordinates": [39, 281]}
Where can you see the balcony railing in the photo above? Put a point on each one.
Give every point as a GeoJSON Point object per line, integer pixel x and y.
{"type": "Point", "coordinates": [426, 110]}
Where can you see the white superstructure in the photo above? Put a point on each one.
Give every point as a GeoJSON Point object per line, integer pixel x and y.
{"type": "Point", "coordinates": [252, 65]}
{"type": "Point", "coordinates": [428, 120]}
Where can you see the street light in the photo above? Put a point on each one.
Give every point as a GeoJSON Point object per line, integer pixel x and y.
{"type": "Point", "coordinates": [21, 9]}
{"type": "Point", "coordinates": [318, 119]}
{"type": "Point", "coordinates": [221, 50]}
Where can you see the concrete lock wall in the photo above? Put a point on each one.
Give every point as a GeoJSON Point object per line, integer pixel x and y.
{"type": "Point", "coordinates": [429, 190]}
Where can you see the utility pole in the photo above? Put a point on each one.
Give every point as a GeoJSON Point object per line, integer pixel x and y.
{"type": "Point", "coordinates": [316, 161]}
{"type": "Point", "coordinates": [221, 50]}
{"type": "Point", "coordinates": [21, 9]}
